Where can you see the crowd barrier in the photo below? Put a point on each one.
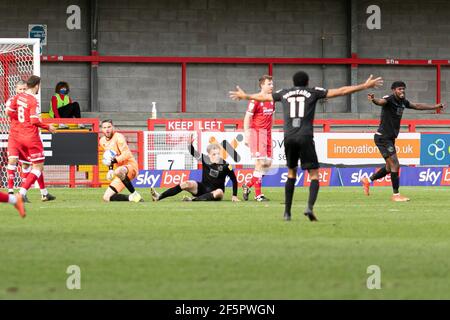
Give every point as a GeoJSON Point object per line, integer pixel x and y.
{"type": "Point", "coordinates": [332, 177]}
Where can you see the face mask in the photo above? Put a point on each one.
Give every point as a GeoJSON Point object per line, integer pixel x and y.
{"type": "Point", "coordinates": [63, 91]}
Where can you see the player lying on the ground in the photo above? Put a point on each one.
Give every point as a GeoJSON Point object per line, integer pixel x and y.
{"type": "Point", "coordinates": [14, 157]}
{"type": "Point", "coordinates": [116, 152]}
{"type": "Point", "coordinates": [15, 200]}
{"type": "Point", "coordinates": [299, 106]}
{"type": "Point", "coordinates": [388, 130]}
{"type": "Point", "coordinates": [258, 123]}
{"type": "Point", "coordinates": [212, 186]}
{"type": "Point", "coordinates": [24, 141]}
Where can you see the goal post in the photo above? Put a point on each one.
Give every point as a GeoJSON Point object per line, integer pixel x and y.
{"type": "Point", "coordinates": [19, 59]}
{"type": "Point", "coordinates": [169, 150]}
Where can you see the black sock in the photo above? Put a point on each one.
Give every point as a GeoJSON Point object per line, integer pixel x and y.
{"type": "Point", "coordinates": [170, 192]}
{"type": "Point", "coordinates": [379, 174]}
{"type": "Point", "coordinates": [205, 197]}
{"type": "Point", "coordinates": [119, 197]}
{"type": "Point", "coordinates": [395, 181]}
{"type": "Point", "coordinates": [76, 110]}
{"type": "Point", "coordinates": [289, 194]}
{"type": "Point", "coordinates": [313, 192]}
{"type": "Point", "coordinates": [128, 184]}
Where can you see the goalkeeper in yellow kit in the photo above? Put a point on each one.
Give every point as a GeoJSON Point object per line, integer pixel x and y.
{"type": "Point", "coordinates": [116, 152]}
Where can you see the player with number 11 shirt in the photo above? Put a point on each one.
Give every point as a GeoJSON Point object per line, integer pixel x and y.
{"type": "Point", "coordinates": [299, 107]}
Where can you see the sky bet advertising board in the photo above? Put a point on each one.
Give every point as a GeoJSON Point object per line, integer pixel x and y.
{"type": "Point", "coordinates": [333, 177]}
{"type": "Point", "coordinates": [432, 151]}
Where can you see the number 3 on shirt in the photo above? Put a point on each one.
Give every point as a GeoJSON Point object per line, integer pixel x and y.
{"type": "Point", "coordinates": [297, 106]}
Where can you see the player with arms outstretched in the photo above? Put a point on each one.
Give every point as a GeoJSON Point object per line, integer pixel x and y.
{"type": "Point", "coordinates": [258, 123]}
{"type": "Point", "coordinates": [299, 106]}
{"type": "Point", "coordinates": [388, 130]}
{"type": "Point", "coordinates": [24, 141]}
{"type": "Point", "coordinates": [117, 153]}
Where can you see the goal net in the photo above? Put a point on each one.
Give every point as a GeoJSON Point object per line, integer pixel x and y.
{"type": "Point", "coordinates": [169, 150]}
{"type": "Point", "coordinates": [19, 59]}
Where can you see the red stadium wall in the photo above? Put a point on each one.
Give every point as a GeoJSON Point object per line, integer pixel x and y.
{"type": "Point", "coordinates": [95, 59]}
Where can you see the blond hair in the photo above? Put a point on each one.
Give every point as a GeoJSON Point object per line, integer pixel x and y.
{"type": "Point", "coordinates": [211, 147]}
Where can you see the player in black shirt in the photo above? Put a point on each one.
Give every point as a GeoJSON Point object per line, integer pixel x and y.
{"type": "Point", "coordinates": [391, 115]}
{"type": "Point", "coordinates": [299, 106]}
{"type": "Point", "coordinates": [212, 186]}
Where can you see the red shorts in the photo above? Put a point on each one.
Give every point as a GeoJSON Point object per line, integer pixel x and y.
{"type": "Point", "coordinates": [261, 143]}
{"type": "Point", "coordinates": [29, 150]}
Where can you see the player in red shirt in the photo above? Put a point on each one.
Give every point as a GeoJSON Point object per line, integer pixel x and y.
{"type": "Point", "coordinates": [15, 200]}
{"type": "Point", "coordinates": [13, 160]}
{"type": "Point", "coordinates": [258, 123]}
{"type": "Point", "coordinates": [24, 140]}
{"type": "Point", "coordinates": [13, 157]}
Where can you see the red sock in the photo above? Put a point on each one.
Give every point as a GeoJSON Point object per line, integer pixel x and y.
{"type": "Point", "coordinates": [24, 175]}
{"type": "Point", "coordinates": [11, 176]}
{"type": "Point", "coordinates": [252, 181]}
{"type": "Point", "coordinates": [4, 197]}
{"type": "Point", "coordinates": [32, 177]}
{"type": "Point", "coordinates": [41, 181]}
{"type": "Point", "coordinates": [258, 184]}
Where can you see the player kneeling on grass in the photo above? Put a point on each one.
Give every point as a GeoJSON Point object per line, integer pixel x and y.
{"type": "Point", "coordinates": [212, 186]}
{"type": "Point", "coordinates": [116, 152]}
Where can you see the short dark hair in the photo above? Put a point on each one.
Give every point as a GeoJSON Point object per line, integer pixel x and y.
{"type": "Point", "coordinates": [301, 79]}
{"type": "Point", "coordinates": [107, 121]}
{"type": "Point", "coordinates": [263, 79]}
{"type": "Point", "coordinates": [62, 84]}
{"type": "Point", "coordinates": [33, 81]}
{"type": "Point", "coordinates": [398, 84]}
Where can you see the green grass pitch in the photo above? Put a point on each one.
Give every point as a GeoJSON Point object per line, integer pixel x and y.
{"type": "Point", "coordinates": [225, 250]}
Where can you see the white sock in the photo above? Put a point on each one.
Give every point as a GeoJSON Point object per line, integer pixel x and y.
{"type": "Point", "coordinates": [12, 199]}
{"type": "Point", "coordinates": [28, 170]}
{"type": "Point", "coordinates": [36, 172]}
{"type": "Point", "coordinates": [44, 192]}
{"type": "Point", "coordinates": [23, 191]}
{"type": "Point", "coordinates": [257, 174]}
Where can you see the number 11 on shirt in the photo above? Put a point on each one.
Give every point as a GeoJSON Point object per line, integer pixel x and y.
{"type": "Point", "coordinates": [297, 106]}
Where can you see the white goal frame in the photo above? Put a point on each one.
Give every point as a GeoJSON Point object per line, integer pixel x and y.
{"type": "Point", "coordinates": [36, 43]}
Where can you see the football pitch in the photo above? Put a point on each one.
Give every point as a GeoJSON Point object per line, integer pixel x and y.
{"type": "Point", "coordinates": [224, 250]}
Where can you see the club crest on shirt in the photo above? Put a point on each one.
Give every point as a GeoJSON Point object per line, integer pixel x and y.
{"type": "Point", "coordinates": [213, 173]}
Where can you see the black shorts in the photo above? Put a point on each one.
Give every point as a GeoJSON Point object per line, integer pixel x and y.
{"type": "Point", "coordinates": [385, 145]}
{"type": "Point", "coordinates": [303, 148]}
{"type": "Point", "coordinates": [202, 189]}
